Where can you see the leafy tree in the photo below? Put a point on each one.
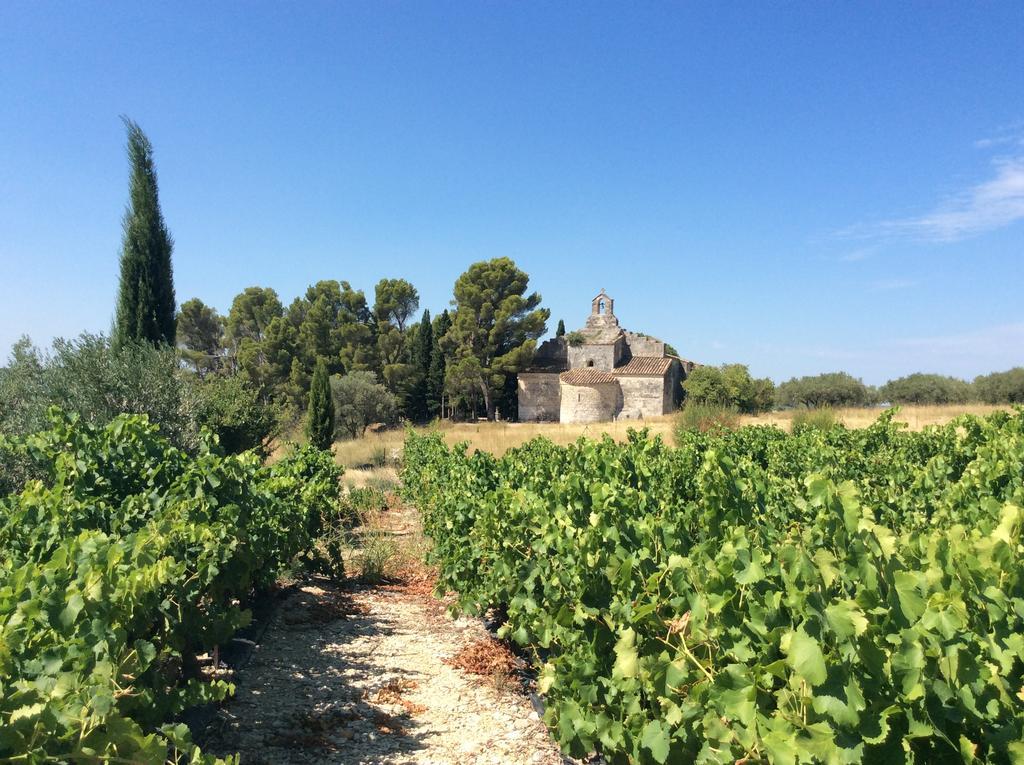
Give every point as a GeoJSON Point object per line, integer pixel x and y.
{"type": "Point", "coordinates": [248, 325]}
{"type": "Point", "coordinates": [145, 300]}
{"type": "Point", "coordinates": [494, 328]}
{"type": "Point", "coordinates": [1001, 387]}
{"type": "Point", "coordinates": [438, 364]}
{"type": "Point", "coordinates": [835, 389]}
{"type": "Point", "coordinates": [706, 385]}
{"type": "Point", "coordinates": [90, 377]}
{"type": "Point", "coordinates": [251, 313]}
{"type": "Point", "coordinates": [925, 389]}
{"type": "Point", "coordinates": [359, 400]}
{"type": "Point", "coordinates": [200, 334]}
{"type": "Point", "coordinates": [729, 386]}
{"type": "Point", "coordinates": [320, 415]}
{"type": "Point", "coordinates": [560, 332]}
{"type": "Point", "coordinates": [395, 301]}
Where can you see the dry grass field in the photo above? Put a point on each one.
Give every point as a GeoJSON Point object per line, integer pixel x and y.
{"type": "Point", "coordinates": [378, 449]}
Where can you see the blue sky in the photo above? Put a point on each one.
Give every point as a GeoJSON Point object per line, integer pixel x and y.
{"type": "Point", "coordinates": [802, 187]}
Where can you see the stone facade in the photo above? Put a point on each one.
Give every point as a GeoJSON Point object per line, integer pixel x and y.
{"type": "Point", "coordinates": [604, 373]}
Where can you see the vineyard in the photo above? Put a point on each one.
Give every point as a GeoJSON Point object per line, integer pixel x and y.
{"type": "Point", "coordinates": [834, 596]}
{"type": "Point", "coordinates": [122, 565]}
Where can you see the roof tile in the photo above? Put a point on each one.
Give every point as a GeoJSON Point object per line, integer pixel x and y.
{"type": "Point", "coordinates": [585, 376]}
{"type": "Point", "coordinates": [645, 366]}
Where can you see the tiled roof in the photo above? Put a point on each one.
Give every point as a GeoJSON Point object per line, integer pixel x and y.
{"type": "Point", "coordinates": [645, 366]}
{"type": "Point", "coordinates": [585, 376]}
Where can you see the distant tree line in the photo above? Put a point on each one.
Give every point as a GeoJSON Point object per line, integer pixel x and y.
{"type": "Point", "coordinates": [731, 386]}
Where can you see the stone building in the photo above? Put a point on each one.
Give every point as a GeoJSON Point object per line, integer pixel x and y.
{"type": "Point", "coordinates": [601, 372]}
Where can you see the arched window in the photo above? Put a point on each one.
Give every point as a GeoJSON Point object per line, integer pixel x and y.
{"type": "Point", "coordinates": [590, 362]}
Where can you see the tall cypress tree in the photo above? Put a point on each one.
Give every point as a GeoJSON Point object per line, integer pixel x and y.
{"type": "Point", "coordinates": [560, 332]}
{"type": "Point", "coordinates": [320, 417]}
{"type": "Point", "coordinates": [422, 349]}
{"type": "Point", "coordinates": [145, 299]}
{"type": "Point", "coordinates": [438, 365]}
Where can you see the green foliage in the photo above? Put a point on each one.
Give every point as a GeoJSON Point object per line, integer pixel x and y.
{"type": "Point", "coordinates": [200, 335]}
{"type": "Point", "coordinates": [1001, 387]}
{"type": "Point", "coordinates": [560, 332]}
{"type": "Point", "coordinates": [123, 563]}
{"type": "Point", "coordinates": [703, 418]}
{"type": "Point", "coordinates": [814, 419]}
{"type": "Point", "coordinates": [575, 339]}
{"type": "Point", "coordinates": [229, 407]}
{"type": "Point", "coordinates": [494, 328]}
{"type": "Point", "coordinates": [438, 366]}
{"type": "Point", "coordinates": [731, 386]}
{"type": "Point", "coordinates": [925, 389]}
{"type": "Point", "coordinates": [834, 595]}
{"type": "Point", "coordinates": [835, 389]}
{"type": "Point", "coordinates": [145, 299]}
{"type": "Point", "coordinates": [359, 401]}
{"type": "Point", "coordinates": [320, 414]}
{"type": "Point", "coordinates": [395, 300]}
{"type": "Point", "coordinates": [91, 378]}
{"type": "Point", "coordinates": [417, 406]}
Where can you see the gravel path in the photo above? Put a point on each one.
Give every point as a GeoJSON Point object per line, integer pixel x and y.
{"type": "Point", "coordinates": [359, 676]}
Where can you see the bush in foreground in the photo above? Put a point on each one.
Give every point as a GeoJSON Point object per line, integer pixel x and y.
{"type": "Point", "coordinates": [702, 418]}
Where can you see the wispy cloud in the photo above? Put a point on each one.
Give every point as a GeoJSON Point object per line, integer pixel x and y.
{"type": "Point", "coordinates": [854, 256]}
{"type": "Point", "coordinates": [1008, 135]}
{"type": "Point", "coordinates": [988, 205]}
{"type": "Point", "coordinates": [1006, 340]}
{"type": "Point", "coordinates": [883, 285]}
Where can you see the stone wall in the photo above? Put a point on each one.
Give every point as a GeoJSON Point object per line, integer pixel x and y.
{"type": "Point", "coordinates": [590, 403]}
{"type": "Point", "coordinates": [642, 397]}
{"type": "Point", "coordinates": [605, 357]}
{"type": "Point", "coordinates": [674, 386]}
{"type": "Point", "coordinates": [642, 345]}
{"type": "Point", "coordinates": [539, 397]}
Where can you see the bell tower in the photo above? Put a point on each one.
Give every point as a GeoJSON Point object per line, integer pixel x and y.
{"type": "Point", "coordinates": [602, 311]}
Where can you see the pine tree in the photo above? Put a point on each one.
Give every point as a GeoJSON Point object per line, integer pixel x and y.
{"type": "Point", "coordinates": [320, 417]}
{"type": "Point", "coordinates": [560, 332]}
{"type": "Point", "coordinates": [438, 364]}
{"type": "Point", "coordinates": [145, 300]}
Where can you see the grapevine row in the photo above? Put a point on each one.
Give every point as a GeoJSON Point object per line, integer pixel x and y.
{"type": "Point", "coordinates": [836, 596]}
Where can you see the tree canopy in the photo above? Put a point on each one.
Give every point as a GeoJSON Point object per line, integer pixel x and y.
{"type": "Point", "coordinates": [729, 385]}
{"type": "Point", "coordinates": [922, 388]}
{"type": "Point", "coordinates": [832, 389]}
{"type": "Point", "coordinates": [494, 329]}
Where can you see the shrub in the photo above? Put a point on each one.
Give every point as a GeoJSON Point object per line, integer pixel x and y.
{"type": "Point", "coordinates": [704, 418]}
{"type": "Point", "coordinates": [814, 419]}
{"type": "Point", "coordinates": [575, 339]}
{"type": "Point", "coordinates": [230, 407]}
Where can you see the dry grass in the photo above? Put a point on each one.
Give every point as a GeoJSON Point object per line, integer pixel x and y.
{"type": "Point", "coordinates": [916, 417]}
{"type": "Point", "coordinates": [498, 437]}
{"type": "Point", "coordinates": [494, 437]}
